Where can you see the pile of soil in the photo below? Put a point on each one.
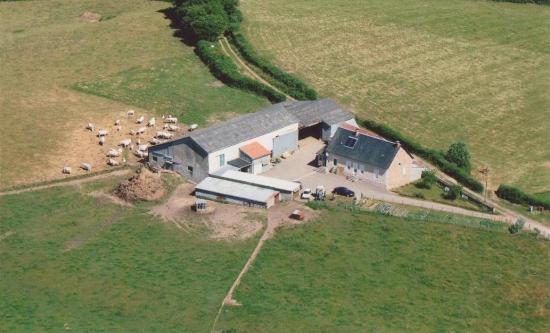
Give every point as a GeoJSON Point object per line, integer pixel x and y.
{"type": "Point", "coordinates": [90, 17]}
{"type": "Point", "coordinates": [145, 186]}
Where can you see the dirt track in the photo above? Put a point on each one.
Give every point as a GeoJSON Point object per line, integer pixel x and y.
{"type": "Point", "coordinates": [70, 182]}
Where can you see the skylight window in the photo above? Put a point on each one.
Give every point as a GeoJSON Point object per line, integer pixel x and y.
{"type": "Point", "coordinates": [351, 142]}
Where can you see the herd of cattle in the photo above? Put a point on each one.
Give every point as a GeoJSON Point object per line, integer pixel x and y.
{"type": "Point", "coordinates": [115, 155]}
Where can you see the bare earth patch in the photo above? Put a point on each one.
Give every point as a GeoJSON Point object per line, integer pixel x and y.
{"type": "Point", "coordinates": [6, 235]}
{"type": "Point", "coordinates": [145, 185]}
{"type": "Point", "coordinates": [90, 17]}
{"type": "Point", "coordinates": [223, 220]}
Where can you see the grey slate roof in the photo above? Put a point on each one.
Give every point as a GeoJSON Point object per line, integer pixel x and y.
{"type": "Point", "coordinates": [243, 128]}
{"type": "Point", "coordinates": [269, 119]}
{"type": "Point", "coordinates": [321, 110]}
{"type": "Point", "coordinates": [376, 152]}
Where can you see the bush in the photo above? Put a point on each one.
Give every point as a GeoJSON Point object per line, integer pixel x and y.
{"type": "Point", "coordinates": [428, 179]}
{"type": "Point", "coordinates": [516, 195]}
{"type": "Point", "coordinates": [419, 195]}
{"type": "Point", "coordinates": [454, 192]}
{"type": "Point", "coordinates": [516, 227]}
{"type": "Point", "coordinates": [458, 154]}
{"type": "Point", "coordinates": [223, 68]}
{"type": "Point", "coordinates": [434, 156]}
{"type": "Point", "coordinates": [284, 81]}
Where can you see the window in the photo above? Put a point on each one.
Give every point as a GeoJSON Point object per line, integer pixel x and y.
{"type": "Point", "coordinates": [335, 162]}
{"type": "Point", "coordinates": [155, 158]}
{"type": "Point", "coordinates": [404, 171]}
{"type": "Point", "coordinates": [222, 159]}
{"type": "Point", "coordinates": [350, 142]}
{"type": "Point", "coordinates": [190, 169]}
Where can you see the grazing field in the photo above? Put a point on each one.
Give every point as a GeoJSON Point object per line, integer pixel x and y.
{"type": "Point", "coordinates": [130, 56]}
{"type": "Point", "coordinates": [73, 261]}
{"type": "Point", "coordinates": [364, 272]}
{"type": "Point", "coordinates": [440, 71]}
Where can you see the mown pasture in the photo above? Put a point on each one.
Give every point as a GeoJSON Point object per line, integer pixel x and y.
{"type": "Point", "coordinates": [440, 71]}
{"type": "Point", "coordinates": [360, 272]}
{"type": "Point", "coordinates": [78, 262]}
{"type": "Point", "coordinates": [130, 59]}
{"type": "Point", "coordinates": [74, 260]}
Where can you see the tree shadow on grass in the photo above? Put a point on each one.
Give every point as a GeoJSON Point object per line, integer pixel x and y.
{"type": "Point", "coordinates": [181, 30]}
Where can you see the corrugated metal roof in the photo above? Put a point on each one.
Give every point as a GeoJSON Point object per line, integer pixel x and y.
{"type": "Point", "coordinates": [373, 151]}
{"type": "Point", "coordinates": [243, 128]}
{"type": "Point", "coordinates": [249, 178]}
{"type": "Point", "coordinates": [269, 119]}
{"type": "Point", "coordinates": [322, 110]}
{"type": "Point", "coordinates": [234, 189]}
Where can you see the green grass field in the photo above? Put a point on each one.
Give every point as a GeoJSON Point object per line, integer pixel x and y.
{"type": "Point", "coordinates": [77, 261]}
{"type": "Point", "coordinates": [71, 260]}
{"type": "Point", "coordinates": [440, 71]}
{"type": "Point", "coordinates": [369, 273]}
{"type": "Point", "coordinates": [131, 57]}
{"type": "Point", "coordinates": [436, 194]}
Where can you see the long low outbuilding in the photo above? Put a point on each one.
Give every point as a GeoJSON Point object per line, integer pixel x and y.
{"type": "Point", "coordinates": [288, 190]}
{"type": "Point", "coordinates": [224, 190]}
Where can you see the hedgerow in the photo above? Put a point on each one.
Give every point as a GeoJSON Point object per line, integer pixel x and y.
{"type": "Point", "coordinates": [223, 68]}
{"type": "Point", "coordinates": [515, 195]}
{"type": "Point", "coordinates": [284, 81]}
{"type": "Point", "coordinates": [538, 2]}
{"type": "Point", "coordinates": [434, 156]}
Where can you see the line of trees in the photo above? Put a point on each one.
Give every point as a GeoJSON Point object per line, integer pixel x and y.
{"type": "Point", "coordinates": [208, 20]}
{"type": "Point", "coordinates": [225, 70]}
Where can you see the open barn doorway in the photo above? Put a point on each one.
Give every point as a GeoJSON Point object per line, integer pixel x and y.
{"type": "Point", "coordinates": [314, 131]}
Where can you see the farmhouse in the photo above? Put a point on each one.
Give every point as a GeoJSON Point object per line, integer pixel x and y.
{"type": "Point", "coordinates": [248, 143]}
{"type": "Point", "coordinates": [360, 154]}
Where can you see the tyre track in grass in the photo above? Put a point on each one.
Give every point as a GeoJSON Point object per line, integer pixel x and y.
{"type": "Point", "coordinates": [228, 50]}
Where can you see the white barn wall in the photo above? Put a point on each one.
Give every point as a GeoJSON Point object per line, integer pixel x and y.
{"type": "Point", "coordinates": [232, 152]}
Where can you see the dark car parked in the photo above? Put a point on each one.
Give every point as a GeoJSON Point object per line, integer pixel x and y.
{"type": "Point", "coordinates": [346, 192]}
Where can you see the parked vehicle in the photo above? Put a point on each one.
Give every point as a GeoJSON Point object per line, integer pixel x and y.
{"type": "Point", "coordinates": [343, 191]}
{"type": "Point", "coordinates": [297, 215]}
{"type": "Point", "coordinates": [306, 194]}
{"type": "Point", "coordinates": [320, 193]}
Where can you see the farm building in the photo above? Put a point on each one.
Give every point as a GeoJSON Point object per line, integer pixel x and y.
{"type": "Point", "coordinates": [288, 190]}
{"type": "Point", "coordinates": [357, 153]}
{"type": "Point", "coordinates": [224, 190]}
{"type": "Point", "coordinates": [247, 143]}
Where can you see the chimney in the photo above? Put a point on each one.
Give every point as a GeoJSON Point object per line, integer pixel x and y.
{"type": "Point", "coordinates": [398, 144]}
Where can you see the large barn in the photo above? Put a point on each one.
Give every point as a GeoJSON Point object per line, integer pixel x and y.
{"type": "Point", "coordinates": [248, 142]}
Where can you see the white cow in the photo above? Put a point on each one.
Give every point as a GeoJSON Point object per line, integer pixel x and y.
{"type": "Point", "coordinates": [125, 142]}
{"type": "Point", "coordinates": [130, 113]}
{"type": "Point", "coordinates": [102, 132]}
{"type": "Point", "coordinates": [86, 166]}
{"type": "Point", "coordinates": [163, 135]}
{"type": "Point", "coordinates": [114, 153]}
{"type": "Point", "coordinates": [112, 162]}
{"type": "Point", "coordinates": [140, 120]}
{"type": "Point", "coordinates": [90, 127]}
{"type": "Point", "coordinates": [67, 170]}
{"type": "Point", "coordinates": [152, 122]}
{"type": "Point", "coordinates": [172, 120]}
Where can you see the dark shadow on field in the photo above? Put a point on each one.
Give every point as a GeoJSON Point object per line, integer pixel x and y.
{"type": "Point", "coordinates": [179, 27]}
